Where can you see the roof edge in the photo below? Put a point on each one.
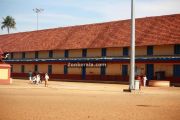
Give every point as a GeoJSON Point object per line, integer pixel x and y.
{"type": "Point", "coordinates": [89, 24]}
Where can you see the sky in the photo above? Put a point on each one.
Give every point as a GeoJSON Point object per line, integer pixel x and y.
{"type": "Point", "coordinates": [61, 13]}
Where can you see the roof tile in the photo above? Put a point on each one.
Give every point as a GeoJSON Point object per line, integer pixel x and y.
{"type": "Point", "coordinates": [160, 30]}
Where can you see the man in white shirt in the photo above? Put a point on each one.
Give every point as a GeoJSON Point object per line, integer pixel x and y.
{"type": "Point", "coordinates": [37, 79]}
{"type": "Point", "coordinates": [46, 80]}
{"type": "Point", "coordinates": [144, 80]}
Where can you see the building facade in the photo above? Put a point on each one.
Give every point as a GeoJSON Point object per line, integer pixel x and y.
{"type": "Point", "coordinates": [98, 51]}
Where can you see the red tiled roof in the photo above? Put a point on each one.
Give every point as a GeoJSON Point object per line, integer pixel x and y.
{"type": "Point", "coordinates": [161, 30]}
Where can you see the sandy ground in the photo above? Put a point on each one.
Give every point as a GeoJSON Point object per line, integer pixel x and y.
{"type": "Point", "coordinates": [86, 101]}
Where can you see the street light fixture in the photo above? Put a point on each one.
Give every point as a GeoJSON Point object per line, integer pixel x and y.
{"type": "Point", "coordinates": [37, 11]}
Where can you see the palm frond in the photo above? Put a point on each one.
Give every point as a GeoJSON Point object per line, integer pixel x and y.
{"type": "Point", "coordinates": [8, 22]}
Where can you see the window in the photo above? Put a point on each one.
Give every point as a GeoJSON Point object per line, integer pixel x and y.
{"type": "Point", "coordinates": [103, 70]}
{"type": "Point", "coordinates": [65, 69]}
{"type": "Point", "coordinates": [177, 49]}
{"type": "Point", "coordinates": [150, 71]}
{"type": "Point", "coordinates": [176, 70]}
{"type": "Point", "coordinates": [50, 54]}
{"type": "Point", "coordinates": [124, 70]}
{"type": "Point", "coordinates": [149, 50]}
{"type": "Point", "coordinates": [49, 69]}
{"type": "Point", "coordinates": [66, 53]}
{"type": "Point", "coordinates": [125, 51]}
{"type": "Point", "coordinates": [83, 72]}
{"type": "Point", "coordinates": [12, 55]}
{"type": "Point", "coordinates": [103, 52]}
{"type": "Point", "coordinates": [36, 54]}
{"type": "Point", "coordinates": [23, 55]}
{"type": "Point", "coordinates": [84, 53]}
{"type": "Point", "coordinates": [35, 68]}
{"type": "Point", "coordinates": [11, 68]}
{"type": "Point", "coordinates": [22, 68]}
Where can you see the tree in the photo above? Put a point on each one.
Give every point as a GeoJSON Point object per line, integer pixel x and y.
{"type": "Point", "coordinates": [8, 23]}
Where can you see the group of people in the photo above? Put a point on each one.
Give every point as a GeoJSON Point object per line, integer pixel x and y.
{"type": "Point", "coordinates": [37, 78]}
{"type": "Point", "coordinates": [143, 80]}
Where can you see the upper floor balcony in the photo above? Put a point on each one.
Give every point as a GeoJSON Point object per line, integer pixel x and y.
{"type": "Point", "coordinates": [102, 54]}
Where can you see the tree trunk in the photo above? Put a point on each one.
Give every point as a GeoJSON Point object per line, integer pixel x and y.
{"type": "Point", "coordinates": [8, 29]}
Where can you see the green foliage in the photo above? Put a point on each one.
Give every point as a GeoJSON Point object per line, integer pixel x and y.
{"type": "Point", "coordinates": [8, 23]}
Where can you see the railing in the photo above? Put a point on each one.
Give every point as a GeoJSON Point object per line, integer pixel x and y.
{"type": "Point", "coordinates": [100, 59]}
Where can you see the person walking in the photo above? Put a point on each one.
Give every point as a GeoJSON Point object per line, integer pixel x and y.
{"type": "Point", "coordinates": [140, 81]}
{"type": "Point", "coordinates": [30, 77]}
{"type": "Point", "coordinates": [144, 80]}
{"type": "Point", "coordinates": [46, 80]}
{"type": "Point", "coordinates": [38, 79]}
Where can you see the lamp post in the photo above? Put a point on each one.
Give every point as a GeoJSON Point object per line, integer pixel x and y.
{"type": "Point", "coordinates": [132, 57]}
{"type": "Point", "coordinates": [37, 11]}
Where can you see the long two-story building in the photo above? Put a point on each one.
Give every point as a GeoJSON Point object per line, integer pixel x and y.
{"type": "Point", "coordinates": [98, 51]}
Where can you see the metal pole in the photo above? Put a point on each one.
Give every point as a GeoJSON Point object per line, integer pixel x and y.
{"type": "Point", "coordinates": [132, 57]}
{"type": "Point", "coordinates": [37, 11]}
{"type": "Point", "coordinates": [37, 20]}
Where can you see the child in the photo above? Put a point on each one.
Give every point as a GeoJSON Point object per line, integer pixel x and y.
{"type": "Point", "coordinates": [46, 79]}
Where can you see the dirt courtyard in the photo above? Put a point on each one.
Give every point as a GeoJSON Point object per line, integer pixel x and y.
{"type": "Point", "coordinates": [86, 101]}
